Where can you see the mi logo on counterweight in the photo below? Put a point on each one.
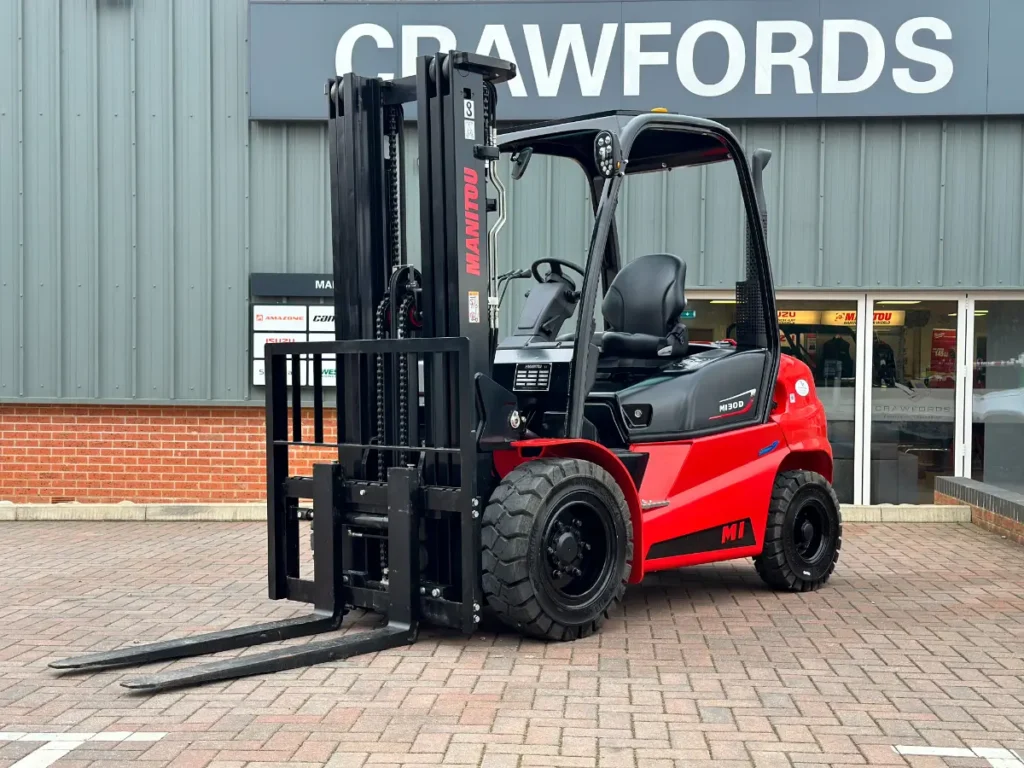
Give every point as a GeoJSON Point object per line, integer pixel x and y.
{"type": "Point", "coordinates": [738, 533]}
{"type": "Point", "coordinates": [733, 531]}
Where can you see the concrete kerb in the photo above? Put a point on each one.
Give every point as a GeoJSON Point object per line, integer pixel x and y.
{"type": "Point", "coordinates": [907, 513]}
{"type": "Point", "coordinates": [257, 512]}
{"type": "Point", "coordinates": [127, 512]}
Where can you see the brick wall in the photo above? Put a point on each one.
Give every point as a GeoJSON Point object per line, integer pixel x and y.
{"type": "Point", "coordinates": [990, 521]}
{"type": "Point", "coordinates": [141, 454]}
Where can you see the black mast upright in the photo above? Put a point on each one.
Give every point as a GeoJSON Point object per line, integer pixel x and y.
{"type": "Point", "coordinates": [457, 106]}
{"type": "Point", "coordinates": [382, 488]}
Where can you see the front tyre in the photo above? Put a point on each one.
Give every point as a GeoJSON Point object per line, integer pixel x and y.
{"type": "Point", "coordinates": [804, 533]}
{"type": "Point", "coordinates": [557, 548]}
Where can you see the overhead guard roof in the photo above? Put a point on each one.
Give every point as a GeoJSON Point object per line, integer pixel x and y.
{"type": "Point", "coordinates": [651, 140]}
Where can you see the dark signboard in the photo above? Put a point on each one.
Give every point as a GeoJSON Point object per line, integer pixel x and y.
{"type": "Point", "coordinates": [718, 58]}
{"type": "Point", "coordinates": [284, 307]}
{"type": "Point", "coordinates": [290, 285]}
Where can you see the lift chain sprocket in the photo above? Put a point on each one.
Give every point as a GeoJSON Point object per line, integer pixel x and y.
{"type": "Point", "coordinates": [394, 221]}
{"type": "Point", "coordinates": [403, 376]}
{"type": "Point", "coordinates": [382, 311]}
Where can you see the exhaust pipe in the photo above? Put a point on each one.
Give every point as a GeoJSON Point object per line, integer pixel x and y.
{"type": "Point", "coordinates": [752, 325]}
{"type": "Point", "coordinates": [758, 162]}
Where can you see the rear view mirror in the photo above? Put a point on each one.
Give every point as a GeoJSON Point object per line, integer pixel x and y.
{"type": "Point", "coordinates": [520, 160]}
{"type": "Point", "coordinates": [607, 153]}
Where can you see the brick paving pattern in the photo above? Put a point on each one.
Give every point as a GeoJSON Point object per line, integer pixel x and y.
{"type": "Point", "coordinates": [918, 640]}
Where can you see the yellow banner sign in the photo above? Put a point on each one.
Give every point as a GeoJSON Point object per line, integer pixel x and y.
{"type": "Point", "coordinates": [799, 317]}
{"type": "Point", "coordinates": [848, 318]}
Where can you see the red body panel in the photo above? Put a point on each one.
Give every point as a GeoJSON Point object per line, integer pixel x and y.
{"type": "Point", "coordinates": [709, 483]}
{"type": "Point", "coordinates": [708, 498]}
{"type": "Point", "coordinates": [802, 418]}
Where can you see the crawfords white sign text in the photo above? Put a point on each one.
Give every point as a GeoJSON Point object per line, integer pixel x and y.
{"type": "Point", "coordinates": [718, 58]}
{"type": "Point", "coordinates": [784, 44]}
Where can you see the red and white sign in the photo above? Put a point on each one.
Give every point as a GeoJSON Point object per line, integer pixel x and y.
{"type": "Point", "coordinates": [259, 340]}
{"type": "Point", "coordinates": [282, 323]}
{"type": "Point", "coordinates": [281, 317]}
{"type": "Point", "coordinates": [943, 350]}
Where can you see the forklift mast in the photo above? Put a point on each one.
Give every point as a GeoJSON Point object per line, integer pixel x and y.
{"type": "Point", "coordinates": [396, 519]}
{"type": "Point", "coordinates": [377, 293]}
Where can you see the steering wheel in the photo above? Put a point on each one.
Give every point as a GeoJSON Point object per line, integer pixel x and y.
{"type": "Point", "coordinates": [556, 269]}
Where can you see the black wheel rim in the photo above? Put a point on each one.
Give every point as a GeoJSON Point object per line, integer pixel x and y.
{"type": "Point", "coordinates": [579, 541]}
{"type": "Point", "coordinates": [811, 532]}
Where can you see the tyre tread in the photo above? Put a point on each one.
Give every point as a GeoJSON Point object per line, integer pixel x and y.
{"type": "Point", "coordinates": [771, 564]}
{"type": "Point", "coordinates": [508, 591]}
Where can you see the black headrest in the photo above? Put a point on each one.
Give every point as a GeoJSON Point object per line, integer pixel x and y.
{"type": "Point", "coordinates": [647, 296]}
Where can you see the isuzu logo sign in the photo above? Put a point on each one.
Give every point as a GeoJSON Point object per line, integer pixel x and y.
{"type": "Point", "coordinates": [722, 58]}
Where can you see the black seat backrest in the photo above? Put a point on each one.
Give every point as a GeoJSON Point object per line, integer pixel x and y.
{"type": "Point", "coordinates": [647, 296]}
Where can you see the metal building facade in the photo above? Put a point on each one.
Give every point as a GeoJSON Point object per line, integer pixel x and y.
{"type": "Point", "coordinates": [136, 198]}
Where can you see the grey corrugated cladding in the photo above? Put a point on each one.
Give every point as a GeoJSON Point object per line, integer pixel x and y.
{"type": "Point", "coordinates": [135, 199]}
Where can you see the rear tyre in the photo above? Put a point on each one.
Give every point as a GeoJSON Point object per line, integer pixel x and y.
{"type": "Point", "coordinates": [557, 548]}
{"type": "Point", "coordinates": [804, 533]}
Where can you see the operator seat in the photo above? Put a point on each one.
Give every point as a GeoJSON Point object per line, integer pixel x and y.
{"type": "Point", "coordinates": [642, 309]}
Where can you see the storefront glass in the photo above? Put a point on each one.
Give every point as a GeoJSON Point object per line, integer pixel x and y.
{"type": "Point", "coordinates": [913, 399]}
{"type": "Point", "coordinates": [997, 444]}
{"type": "Point", "coordinates": [821, 333]}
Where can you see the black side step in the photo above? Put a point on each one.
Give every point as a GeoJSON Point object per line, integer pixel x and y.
{"type": "Point", "coordinates": [402, 627]}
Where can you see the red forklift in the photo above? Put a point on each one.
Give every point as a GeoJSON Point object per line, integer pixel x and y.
{"type": "Point", "coordinates": [529, 478]}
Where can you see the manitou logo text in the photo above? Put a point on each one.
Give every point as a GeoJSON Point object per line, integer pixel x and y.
{"type": "Point", "coordinates": [735, 405]}
{"type": "Point", "coordinates": [734, 531]}
{"type": "Point", "coordinates": [471, 192]}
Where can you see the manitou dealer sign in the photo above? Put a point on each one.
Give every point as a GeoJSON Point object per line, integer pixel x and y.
{"type": "Point", "coordinates": [717, 58]}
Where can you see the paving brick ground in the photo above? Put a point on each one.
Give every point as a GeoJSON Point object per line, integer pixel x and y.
{"type": "Point", "coordinates": [918, 640]}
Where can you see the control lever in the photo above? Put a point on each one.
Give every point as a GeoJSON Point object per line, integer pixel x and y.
{"type": "Point", "coordinates": [507, 278]}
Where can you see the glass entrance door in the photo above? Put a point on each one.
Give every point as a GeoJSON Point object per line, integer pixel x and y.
{"type": "Point", "coordinates": [994, 437]}
{"type": "Point", "coordinates": [822, 333]}
{"type": "Point", "coordinates": [912, 399]}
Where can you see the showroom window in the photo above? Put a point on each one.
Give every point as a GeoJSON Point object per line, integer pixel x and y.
{"type": "Point", "coordinates": [913, 398]}
{"type": "Point", "coordinates": [823, 334]}
{"type": "Point", "coordinates": [900, 411]}
{"type": "Point", "coordinates": [997, 405]}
